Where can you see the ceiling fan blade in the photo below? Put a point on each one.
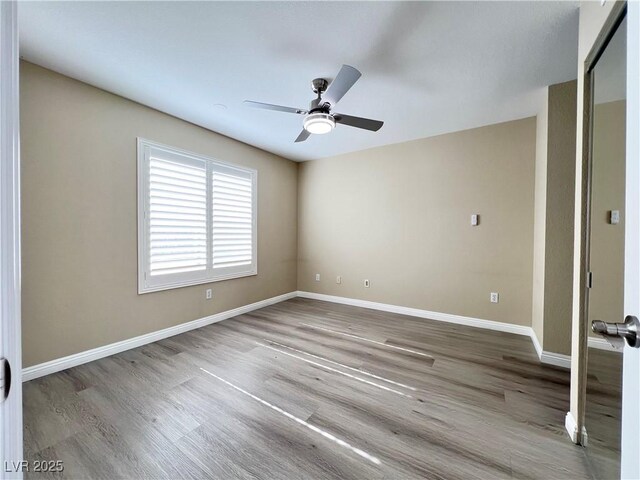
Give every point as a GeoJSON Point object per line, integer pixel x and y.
{"type": "Point", "coordinates": [358, 122]}
{"type": "Point", "coordinates": [277, 108]}
{"type": "Point", "coordinates": [345, 79]}
{"type": "Point", "coordinates": [303, 136]}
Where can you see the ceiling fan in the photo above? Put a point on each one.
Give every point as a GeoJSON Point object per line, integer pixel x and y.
{"type": "Point", "coordinates": [319, 118]}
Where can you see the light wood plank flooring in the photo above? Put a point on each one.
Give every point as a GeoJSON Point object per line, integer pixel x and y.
{"type": "Point", "coordinates": [308, 389]}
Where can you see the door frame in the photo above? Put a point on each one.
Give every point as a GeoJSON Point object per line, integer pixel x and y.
{"type": "Point", "coordinates": [10, 325]}
{"type": "Point", "coordinates": [630, 461]}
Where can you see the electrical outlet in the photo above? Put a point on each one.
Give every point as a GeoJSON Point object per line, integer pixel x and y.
{"type": "Point", "coordinates": [367, 284]}
{"type": "Point", "coordinates": [338, 279]}
{"type": "Point", "coordinates": [208, 293]}
{"type": "Point", "coordinates": [317, 277]}
{"type": "Point", "coordinates": [494, 297]}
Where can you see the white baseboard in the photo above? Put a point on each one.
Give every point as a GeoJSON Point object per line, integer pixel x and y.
{"type": "Point", "coordinates": [602, 344]}
{"type": "Point", "coordinates": [63, 363]}
{"type": "Point", "coordinates": [572, 427]}
{"type": "Point", "coordinates": [550, 358]}
{"type": "Point", "coordinates": [536, 344]}
{"type": "Point", "coordinates": [557, 359]}
{"type": "Point", "coordinates": [74, 360]}
{"type": "Point", "coordinates": [416, 312]}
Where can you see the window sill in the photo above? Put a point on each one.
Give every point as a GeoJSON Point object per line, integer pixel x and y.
{"type": "Point", "coordinates": [142, 289]}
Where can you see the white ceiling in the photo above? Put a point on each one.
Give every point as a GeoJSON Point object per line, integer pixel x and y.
{"type": "Point", "coordinates": [428, 67]}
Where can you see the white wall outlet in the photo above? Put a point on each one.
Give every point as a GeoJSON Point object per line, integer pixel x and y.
{"type": "Point", "coordinates": [338, 279]}
{"type": "Point", "coordinates": [317, 277]}
{"type": "Point", "coordinates": [367, 284]}
{"type": "Point", "coordinates": [208, 293]}
{"type": "Point", "coordinates": [494, 297]}
{"type": "Point", "coordinates": [475, 220]}
{"type": "Point", "coordinates": [614, 217]}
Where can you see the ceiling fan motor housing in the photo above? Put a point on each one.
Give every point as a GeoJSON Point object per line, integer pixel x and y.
{"type": "Point", "coordinates": [318, 105]}
{"type": "Point", "coordinates": [319, 86]}
{"type": "Point", "coordinates": [319, 119]}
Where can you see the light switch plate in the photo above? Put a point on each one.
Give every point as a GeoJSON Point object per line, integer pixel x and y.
{"type": "Point", "coordinates": [475, 219]}
{"type": "Point", "coordinates": [614, 217]}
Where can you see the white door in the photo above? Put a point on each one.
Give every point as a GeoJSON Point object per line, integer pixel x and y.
{"type": "Point", "coordinates": [630, 444]}
{"type": "Point", "coordinates": [612, 417]}
{"type": "Point", "coordinates": [10, 346]}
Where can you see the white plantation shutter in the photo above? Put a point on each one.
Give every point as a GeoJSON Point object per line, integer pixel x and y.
{"type": "Point", "coordinates": [232, 242]}
{"type": "Point", "coordinates": [197, 219]}
{"type": "Point", "coordinates": [177, 217]}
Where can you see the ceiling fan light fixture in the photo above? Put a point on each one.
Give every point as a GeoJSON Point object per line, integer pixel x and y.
{"type": "Point", "coordinates": [319, 123]}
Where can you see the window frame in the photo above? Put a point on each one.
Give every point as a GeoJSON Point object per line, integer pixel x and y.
{"type": "Point", "coordinates": [179, 280]}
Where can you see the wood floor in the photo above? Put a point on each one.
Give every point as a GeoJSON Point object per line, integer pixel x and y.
{"type": "Point", "coordinates": [308, 389]}
{"type": "Point", "coordinates": [604, 412]}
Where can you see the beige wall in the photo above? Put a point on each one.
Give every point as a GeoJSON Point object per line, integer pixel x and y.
{"type": "Point", "coordinates": [79, 224]}
{"type": "Point", "coordinates": [553, 218]}
{"type": "Point", "coordinates": [561, 153]}
{"type": "Point", "coordinates": [399, 216]}
{"type": "Point", "coordinates": [540, 218]}
{"type": "Point", "coordinates": [606, 247]}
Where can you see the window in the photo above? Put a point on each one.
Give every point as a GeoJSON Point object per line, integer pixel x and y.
{"type": "Point", "coordinates": [196, 219]}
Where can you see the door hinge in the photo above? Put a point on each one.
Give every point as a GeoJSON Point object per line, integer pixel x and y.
{"type": "Point", "coordinates": [589, 279]}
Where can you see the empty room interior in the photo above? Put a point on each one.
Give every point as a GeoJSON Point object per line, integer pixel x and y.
{"type": "Point", "coordinates": [286, 240]}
